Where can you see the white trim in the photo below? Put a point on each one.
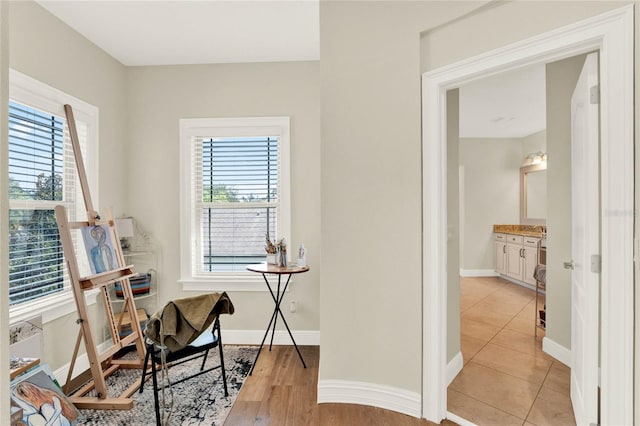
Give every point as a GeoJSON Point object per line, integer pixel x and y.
{"type": "Point", "coordinates": [520, 283]}
{"type": "Point", "coordinates": [459, 420]}
{"type": "Point", "coordinates": [82, 363]}
{"type": "Point", "coordinates": [254, 337]}
{"type": "Point", "coordinates": [240, 281]}
{"type": "Point", "coordinates": [245, 126]}
{"type": "Point", "coordinates": [557, 351]}
{"type": "Point", "coordinates": [478, 273]}
{"type": "Point", "coordinates": [50, 308]}
{"type": "Point", "coordinates": [220, 285]}
{"type": "Point", "coordinates": [386, 397]}
{"type": "Point", "coordinates": [454, 367]}
{"type": "Point", "coordinates": [612, 34]}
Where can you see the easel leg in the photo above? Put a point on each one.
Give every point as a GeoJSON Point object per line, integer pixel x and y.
{"type": "Point", "coordinates": [65, 388]}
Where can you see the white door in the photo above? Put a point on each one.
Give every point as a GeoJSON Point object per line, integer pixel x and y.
{"type": "Point", "coordinates": [585, 244]}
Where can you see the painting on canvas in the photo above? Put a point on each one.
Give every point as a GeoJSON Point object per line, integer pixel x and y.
{"type": "Point", "coordinates": [41, 400]}
{"type": "Point", "coordinates": [99, 246]}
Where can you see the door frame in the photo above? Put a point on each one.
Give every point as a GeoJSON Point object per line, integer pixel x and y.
{"type": "Point", "coordinates": [611, 33]}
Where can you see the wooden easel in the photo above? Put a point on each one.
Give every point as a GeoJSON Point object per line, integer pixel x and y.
{"type": "Point", "coordinates": [101, 365]}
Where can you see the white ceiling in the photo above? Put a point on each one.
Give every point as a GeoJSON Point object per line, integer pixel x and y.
{"type": "Point", "coordinates": [152, 32]}
{"type": "Point", "coordinates": [508, 105]}
{"type": "Point", "coordinates": [196, 32]}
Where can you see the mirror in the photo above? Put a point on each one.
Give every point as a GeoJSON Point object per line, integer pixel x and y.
{"type": "Point", "coordinates": [533, 194]}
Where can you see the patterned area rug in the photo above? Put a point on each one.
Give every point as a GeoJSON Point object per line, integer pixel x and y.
{"type": "Point", "coordinates": [199, 401]}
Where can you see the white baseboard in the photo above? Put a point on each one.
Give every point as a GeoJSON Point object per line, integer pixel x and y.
{"type": "Point", "coordinates": [478, 273]}
{"type": "Point", "coordinates": [520, 283]}
{"type": "Point", "coordinates": [459, 420]}
{"type": "Point", "coordinates": [454, 367]}
{"type": "Point", "coordinates": [254, 337]}
{"type": "Point", "coordinates": [557, 351]}
{"type": "Point", "coordinates": [386, 397]}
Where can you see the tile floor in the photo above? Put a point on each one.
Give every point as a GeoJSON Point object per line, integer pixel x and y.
{"type": "Point", "coordinates": [506, 379]}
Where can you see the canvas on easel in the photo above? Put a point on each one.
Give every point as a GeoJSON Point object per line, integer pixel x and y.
{"type": "Point", "coordinates": [99, 247]}
{"type": "Point", "coordinates": [108, 267]}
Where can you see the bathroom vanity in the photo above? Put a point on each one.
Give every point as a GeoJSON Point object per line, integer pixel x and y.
{"type": "Point", "coordinates": [516, 248]}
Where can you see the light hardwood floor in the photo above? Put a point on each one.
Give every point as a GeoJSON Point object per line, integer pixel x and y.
{"type": "Point", "coordinates": [282, 393]}
{"type": "Point", "coordinates": [507, 379]}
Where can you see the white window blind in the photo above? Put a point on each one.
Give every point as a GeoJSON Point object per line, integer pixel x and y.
{"type": "Point", "coordinates": [236, 193]}
{"type": "Point", "coordinates": [42, 175]}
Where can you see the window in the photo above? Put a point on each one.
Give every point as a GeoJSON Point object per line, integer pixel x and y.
{"type": "Point", "coordinates": [36, 167]}
{"type": "Point", "coordinates": [235, 192]}
{"type": "Point", "coordinates": [42, 174]}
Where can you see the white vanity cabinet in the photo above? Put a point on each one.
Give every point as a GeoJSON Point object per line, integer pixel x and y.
{"type": "Point", "coordinates": [516, 256]}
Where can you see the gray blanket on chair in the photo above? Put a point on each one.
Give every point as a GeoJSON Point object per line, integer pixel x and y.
{"type": "Point", "coordinates": [181, 321]}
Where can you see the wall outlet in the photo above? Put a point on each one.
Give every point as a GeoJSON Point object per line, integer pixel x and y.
{"type": "Point", "coordinates": [293, 306]}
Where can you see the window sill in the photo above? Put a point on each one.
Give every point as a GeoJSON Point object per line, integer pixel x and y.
{"type": "Point", "coordinates": [51, 308]}
{"type": "Point", "coordinates": [244, 282]}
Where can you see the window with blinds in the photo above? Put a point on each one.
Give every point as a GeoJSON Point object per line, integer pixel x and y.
{"type": "Point", "coordinates": [236, 193]}
{"type": "Point", "coordinates": [41, 176]}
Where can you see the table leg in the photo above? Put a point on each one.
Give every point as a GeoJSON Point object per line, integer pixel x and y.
{"type": "Point", "coordinates": [262, 343]}
{"type": "Point", "coordinates": [278, 300]}
{"type": "Point", "coordinates": [273, 316]}
{"type": "Point", "coordinates": [287, 325]}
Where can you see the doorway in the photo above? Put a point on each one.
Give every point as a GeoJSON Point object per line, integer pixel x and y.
{"type": "Point", "coordinates": [506, 377]}
{"type": "Point", "coordinates": [612, 34]}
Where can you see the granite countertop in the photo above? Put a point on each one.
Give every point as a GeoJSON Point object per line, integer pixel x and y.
{"type": "Point", "coordinates": [524, 230]}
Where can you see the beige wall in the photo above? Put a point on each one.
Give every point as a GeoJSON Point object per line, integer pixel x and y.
{"type": "Point", "coordinates": [561, 81]}
{"type": "Point", "coordinates": [158, 97]}
{"type": "Point", "coordinates": [491, 190]}
{"type": "Point", "coordinates": [371, 282]}
{"type": "Point", "coordinates": [637, 216]}
{"type": "Point", "coordinates": [536, 142]}
{"type": "Point", "coordinates": [46, 49]}
{"type": "Point", "coordinates": [4, 226]}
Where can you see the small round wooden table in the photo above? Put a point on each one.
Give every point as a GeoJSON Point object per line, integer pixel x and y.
{"type": "Point", "coordinates": [264, 269]}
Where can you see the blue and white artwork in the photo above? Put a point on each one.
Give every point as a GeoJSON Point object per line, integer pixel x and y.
{"type": "Point", "coordinates": [99, 246]}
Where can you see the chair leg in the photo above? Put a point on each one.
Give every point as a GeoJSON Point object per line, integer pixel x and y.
{"type": "Point", "coordinates": [224, 374]}
{"type": "Point", "coordinates": [204, 359]}
{"type": "Point", "coordinates": [155, 391]}
{"type": "Point", "coordinates": [144, 369]}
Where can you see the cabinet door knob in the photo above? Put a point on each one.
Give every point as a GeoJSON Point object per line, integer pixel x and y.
{"type": "Point", "coordinates": [568, 265]}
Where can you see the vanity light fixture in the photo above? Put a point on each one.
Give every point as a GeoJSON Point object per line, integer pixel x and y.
{"type": "Point", "coordinates": [535, 158]}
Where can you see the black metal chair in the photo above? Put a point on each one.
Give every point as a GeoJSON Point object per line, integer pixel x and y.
{"type": "Point", "coordinates": [200, 347]}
